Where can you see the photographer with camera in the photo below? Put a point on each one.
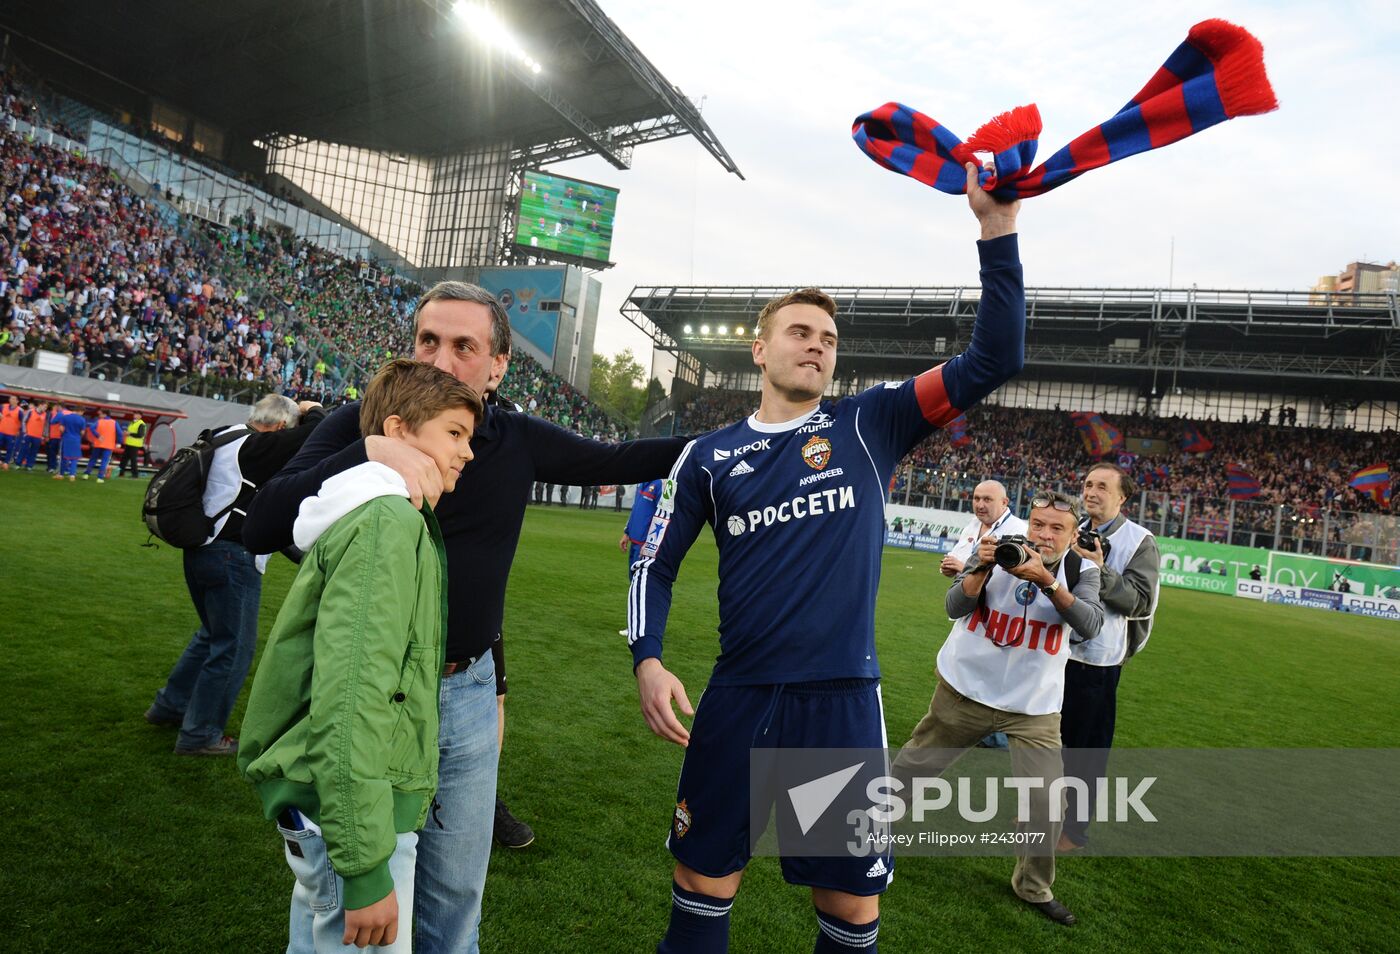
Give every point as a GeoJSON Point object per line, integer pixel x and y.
{"type": "Point", "coordinates": [1129, 564]}
{"type": "Point", "coordinates": [1002, 668]}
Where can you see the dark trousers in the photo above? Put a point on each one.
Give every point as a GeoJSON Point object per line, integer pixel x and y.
{"type": "Point", "coordinates": [1086, 732]}
{"type": "Point", "coordinates": [131, 456]}
{"type": "Point", "coordinates": [226, 588]}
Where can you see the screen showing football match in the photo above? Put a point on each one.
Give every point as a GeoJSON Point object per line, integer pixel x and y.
{"type": "Point", "coordinates": [566, 216]}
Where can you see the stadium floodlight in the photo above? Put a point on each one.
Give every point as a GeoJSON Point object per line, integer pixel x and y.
{"type": "Point", "coordinates": [723, 329]}
{"type": "Point", "coordinates": [485, 24]}
{"type": "Point", "coordinates": [688, 330]}
{"type": "Point", "coordinates": [739, 331]}
{"type": "Point", "coordinates": [704, 329]}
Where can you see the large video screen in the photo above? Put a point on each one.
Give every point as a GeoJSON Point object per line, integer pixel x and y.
{"type": "Point", "coordinates": [566, 216]}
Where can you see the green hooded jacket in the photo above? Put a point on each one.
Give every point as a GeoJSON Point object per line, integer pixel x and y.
{"type": "Point", "coordinates": [342, 720]}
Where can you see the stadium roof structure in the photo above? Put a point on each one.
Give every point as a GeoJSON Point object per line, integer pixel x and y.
{"type": "Point", "coordinates": [398, 76]}
{"type": "Point", "coordinates": [1300, 342]}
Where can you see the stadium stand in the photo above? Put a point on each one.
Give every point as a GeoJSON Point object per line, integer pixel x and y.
{"type": "Point", "coordinates": [133, 290]}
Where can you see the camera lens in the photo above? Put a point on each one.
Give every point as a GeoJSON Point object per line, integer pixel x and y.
{"type": "Point", "coordinates": [1009, 555]}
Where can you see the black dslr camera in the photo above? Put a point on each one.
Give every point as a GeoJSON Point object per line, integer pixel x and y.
{"type": "Point", "coordinates": [1012, 550]}
{"type": "Point", "coordinates": [1087, 536]}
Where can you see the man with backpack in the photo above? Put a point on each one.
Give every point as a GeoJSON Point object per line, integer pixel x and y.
{"type": "Point", "coordinates": [224, 578]}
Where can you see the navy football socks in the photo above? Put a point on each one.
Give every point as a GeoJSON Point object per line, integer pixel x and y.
{"type": "Point", "coordinates": [699, 924]}
{"type": "Point", "coordinates": [841, 937]}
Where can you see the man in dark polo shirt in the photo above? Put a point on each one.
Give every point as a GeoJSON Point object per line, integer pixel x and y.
{"type": "Point", "coordinates": [462, 329]}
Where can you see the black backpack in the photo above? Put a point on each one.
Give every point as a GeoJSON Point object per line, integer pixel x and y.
{"type": "Point", "coordinates": [174, 505]}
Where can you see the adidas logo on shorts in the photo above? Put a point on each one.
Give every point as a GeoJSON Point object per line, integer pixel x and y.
{"type": "Point", "coordinates": [877, 869]}
{"type": "Point", "coordinates": [741, 468]}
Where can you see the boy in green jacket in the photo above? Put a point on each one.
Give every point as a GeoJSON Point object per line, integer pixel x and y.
{"type": "Point", "coordinates": [340, 736]}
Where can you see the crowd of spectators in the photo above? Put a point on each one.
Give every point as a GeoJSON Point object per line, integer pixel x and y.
{"type": "Point", "coordinates": [712, 408]}
{"type": "Point", "coordinates": [549, 396]}
{"type": "Point", "coordinates": [90, 269]}
{"type": "Point", "coordinates": [131, 290]}
{"type": "Point", "coordinates": [1306, 469]}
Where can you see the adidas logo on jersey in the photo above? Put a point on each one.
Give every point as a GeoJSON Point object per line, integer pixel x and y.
{"type": "Point", "coordinates": [877, 869]}
{"type": "Point", "coordinates": [741, 468]}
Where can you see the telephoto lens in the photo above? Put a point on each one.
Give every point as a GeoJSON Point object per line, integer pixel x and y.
{"type": "Point", "coordinates": [1011, 552]}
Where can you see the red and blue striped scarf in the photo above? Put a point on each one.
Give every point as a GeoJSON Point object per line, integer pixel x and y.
{"type": "Point", "coordinates": [1217, 74]}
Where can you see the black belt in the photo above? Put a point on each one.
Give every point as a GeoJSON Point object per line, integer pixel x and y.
{"type": "Point", "coordinates": [452, 668]}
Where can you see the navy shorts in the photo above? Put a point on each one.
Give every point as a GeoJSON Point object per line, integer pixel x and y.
{"type": "Point", "coordinates": [713, 826]}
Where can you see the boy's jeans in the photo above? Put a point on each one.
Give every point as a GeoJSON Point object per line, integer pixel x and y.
{"type": "Point", "coordinates": [317, 922]}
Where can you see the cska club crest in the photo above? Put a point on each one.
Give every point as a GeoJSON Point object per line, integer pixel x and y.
{"type": "Point", "coordinates": [817, 451]}
{"type": "Point", "coordinates": [682, 819]}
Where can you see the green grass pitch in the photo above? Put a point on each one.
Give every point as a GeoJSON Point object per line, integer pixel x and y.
{"type": "Point", "coordinates": [114, 844]}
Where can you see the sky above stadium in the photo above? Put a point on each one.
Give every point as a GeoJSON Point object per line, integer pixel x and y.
{"type": "Point", "coordinates": [1262, 202]}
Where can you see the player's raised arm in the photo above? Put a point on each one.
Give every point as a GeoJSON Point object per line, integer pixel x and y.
{"type": "Point", "coordinates": [997, 350]}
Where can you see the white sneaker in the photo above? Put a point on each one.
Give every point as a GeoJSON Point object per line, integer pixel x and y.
{"type": "Point", "coordinates": [622, 632]}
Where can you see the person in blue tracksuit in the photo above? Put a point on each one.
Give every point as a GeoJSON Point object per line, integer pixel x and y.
{"type": "Point", "coordinates": [643, 506]}
{"type": "Point", "coordinates": [638, 522]}
{"type": "Point", "coordinates": [71, 449]}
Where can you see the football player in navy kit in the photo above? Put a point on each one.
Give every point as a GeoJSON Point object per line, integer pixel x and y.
{"type": "Point", "coordinates": [794, 495]}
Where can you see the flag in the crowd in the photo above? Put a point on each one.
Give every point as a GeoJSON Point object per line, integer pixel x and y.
{"type": "Point", "coordinates": [957, 431]}
{"type": "Point", "coordinates": [1243, 485]}
{"type": "Point", "coordinates": [1153, 476]}
{"type": "Point", "coordinates": [1126, 460]}
{"type": "Point", "coordinates": [1193, 441]}
{"type": "Point", "coordinates": [1374, 481]}
{"type": "Point", "coordinates": [1099, 436]}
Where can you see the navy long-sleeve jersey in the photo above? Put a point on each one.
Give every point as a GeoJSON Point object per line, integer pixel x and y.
{"type": "Point", "coordinates": [797, 508]}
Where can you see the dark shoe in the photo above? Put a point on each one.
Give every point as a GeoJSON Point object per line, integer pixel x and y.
{"type": "Point", "coordinates": [511, 832]}
{"type": "Point", "coordinates": [154, 717]}
{"type": "Point", "coordinates": [225, 746]}
{"type": "Point", "coordinates": [1055, 911]}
